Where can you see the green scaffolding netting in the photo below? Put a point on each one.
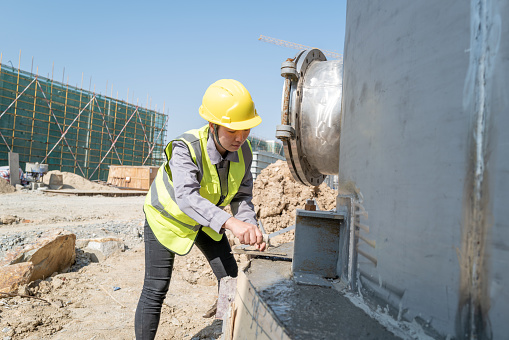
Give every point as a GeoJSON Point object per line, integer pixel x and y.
{"type": "Point", "coordinates": [36, 112]}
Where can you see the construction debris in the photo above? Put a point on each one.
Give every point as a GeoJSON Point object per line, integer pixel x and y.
{"type": "Point", "coordinates": [14, 276]}
{"type": "Point", "coordinates": [101, 248]}
{"type": "Point", "coordinates": [53, 252]}
{"type": "Point", "coordinates": [9, 219]}
{"type": "Point", "coordinates": [6, 187]}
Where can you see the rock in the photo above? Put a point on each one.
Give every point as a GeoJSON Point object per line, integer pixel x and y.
{"type": "Point", "coordinates": [57, 303]}
{"type": "Point", "coordinates": [23, 289]}
{"type": "Point", "coordinates": [8, 219]}
{"type": "Point", "coordinates": [14, 276]}
{"type": "Point", "coordinates": [53, 252]}
{"type": "Point", "coordinates": [6, 187]}
{"type": "Point", "coordinates": [82, 243]}
{"type": "Point", "coordinates": [56, 283]}
{"type": "Point", "coordinates": [102, 248]}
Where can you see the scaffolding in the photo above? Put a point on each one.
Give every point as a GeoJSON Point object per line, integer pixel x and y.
{"type": "Point", "coordinates": [72, 129]}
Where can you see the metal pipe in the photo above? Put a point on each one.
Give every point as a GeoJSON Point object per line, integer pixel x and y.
{"type": "Point", "coordinates": [286, 102]}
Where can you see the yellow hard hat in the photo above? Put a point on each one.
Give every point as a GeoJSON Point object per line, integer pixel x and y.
{"type": "Point", "coordinates": [228, 103]}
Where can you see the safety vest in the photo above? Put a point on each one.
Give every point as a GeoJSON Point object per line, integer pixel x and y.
{"type": "Point", "coordinates": [171, 226]}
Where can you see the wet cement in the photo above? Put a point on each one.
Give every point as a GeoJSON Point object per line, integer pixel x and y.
{"type": "Point", "coordinates": [311, 312]}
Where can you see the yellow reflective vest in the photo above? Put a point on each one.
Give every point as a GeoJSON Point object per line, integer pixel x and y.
{"type": "Point", "coordinates": [171, 226]}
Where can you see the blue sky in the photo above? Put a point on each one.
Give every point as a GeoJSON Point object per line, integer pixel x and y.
{"type": "Point", "coordinates": [170, 50]}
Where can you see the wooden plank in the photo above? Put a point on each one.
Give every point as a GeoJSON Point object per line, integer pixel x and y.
{"type": "Point", "coordinates": [103, 193]}
{"type": "Point", "coordinates": [135, 177]}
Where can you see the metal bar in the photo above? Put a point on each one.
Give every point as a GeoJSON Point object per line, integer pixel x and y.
{"type": "Point", "coordinates": [102, 128]}
{"type": "Point", "coordinates": [107, 129]}
{"type": "Point", "coordinates": [115, 122]}
{"type": "Point", "coordinates": [33, 118]}
{"type": "Point", "coordinates": [152, 123]}
{"type": "Point", "coordinates": [144, 131]}
{"type": "Point", "coordinates": [143, 128]}
{"type": "Point", "coordinates": [152, 148]}
{"type": "Point", "coordinates": [65, 117]}
{"type": "Point", "coordinates": [98, 165]}
{"type": "Point", "coordinates": [372, 243]}
{"type": "Point", "coordinates": [8, 107]}
{"type": "Point", "coordinates": [369, 257]}
{"type": "Point", "coordinates": [48, 130]}
{"type": "Point", "coordinates": [134, 138]}
{"type": "Point", "coordinates": [78, 128]}
{"type": "Point", "coordinates": [15, 104]}
{"type": "Point", "coordinates": [63, 133]}
{"type": "Point", "coordinates": [362, 226]}
{"type": "Point", "coordinates": [8, 147]}
{"type": "Point", "coordinates": [126, 110]}
{"type": "Point", "coordinates": [50, 104]}
{"type": "Point", "coordinates": [87, 141]}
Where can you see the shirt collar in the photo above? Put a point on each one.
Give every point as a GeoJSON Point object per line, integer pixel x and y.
{"type": "Point", "coordinates": [215, 156]}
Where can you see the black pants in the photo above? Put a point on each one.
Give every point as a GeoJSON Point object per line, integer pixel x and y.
{"type": "Point", "coordinates": [158, 269]}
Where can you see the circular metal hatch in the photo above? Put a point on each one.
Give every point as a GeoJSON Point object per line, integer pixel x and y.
{"type": "Point", "coordinates": [310, 116]}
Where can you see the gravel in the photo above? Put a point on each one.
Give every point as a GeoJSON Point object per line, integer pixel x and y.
{"type": "Point", "coordinates": [131, 232]}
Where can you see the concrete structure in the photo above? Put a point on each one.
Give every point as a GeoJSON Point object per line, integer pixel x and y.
{"type": "Point", "coordinates": [422, 138]}
{"type": "Point", "coordinates": [424, 239]}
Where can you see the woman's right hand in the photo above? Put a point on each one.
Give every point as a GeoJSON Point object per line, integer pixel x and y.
{"type": "Point", "coordinates": [247, 233]}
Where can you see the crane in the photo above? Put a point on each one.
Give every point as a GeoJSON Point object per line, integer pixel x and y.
{"type": "Point", "coordinates": [333, 55]}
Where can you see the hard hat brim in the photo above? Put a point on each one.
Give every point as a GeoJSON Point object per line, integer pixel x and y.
{"type": "Point", "coordinates": [243, 125]}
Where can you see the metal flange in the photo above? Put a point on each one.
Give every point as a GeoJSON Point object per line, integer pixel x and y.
{"type": "Point", "coordinates": [289, 131]}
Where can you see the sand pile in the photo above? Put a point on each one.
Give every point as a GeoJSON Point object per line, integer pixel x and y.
{"type": "Point", "coordinates": [6, 187]}
{"type": "Point", "coordinates": [74, 181]}
{"type": "Point", "coordinates": [276, 196]}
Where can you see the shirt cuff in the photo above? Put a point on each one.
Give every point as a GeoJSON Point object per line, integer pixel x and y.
{"type": "Point", "coordinates": [218, 220]}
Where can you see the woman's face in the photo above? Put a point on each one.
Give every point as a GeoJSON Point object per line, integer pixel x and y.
{"type": "Point", "coordinates": [232, 140]}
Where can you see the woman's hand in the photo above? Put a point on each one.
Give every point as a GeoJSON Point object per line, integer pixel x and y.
{"type": "Point", "coordinates": [247, 233]}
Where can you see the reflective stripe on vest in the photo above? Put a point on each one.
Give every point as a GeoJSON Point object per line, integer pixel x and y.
{"type": "Point", "coordinates": [172, 227]}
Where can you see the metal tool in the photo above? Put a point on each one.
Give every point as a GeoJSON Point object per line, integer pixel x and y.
{"type": "Point", "coordinates": [248, 249]}
{"type": "Point", "coordinates": [267, 237]}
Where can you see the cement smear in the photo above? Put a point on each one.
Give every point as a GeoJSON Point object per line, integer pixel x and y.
{"type": "Point", "coordinates": [311, 312]}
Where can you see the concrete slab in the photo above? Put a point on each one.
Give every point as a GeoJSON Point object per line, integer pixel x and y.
{"type": "Point", "coordinates": [309, 312]}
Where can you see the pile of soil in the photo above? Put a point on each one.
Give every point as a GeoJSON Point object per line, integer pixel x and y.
{"type": "Point", "coordinates": [6, 187]}
{"type": "Point", "coordinates": [74, 181]}
{"type": "Point", "coordinates": [276, 196]}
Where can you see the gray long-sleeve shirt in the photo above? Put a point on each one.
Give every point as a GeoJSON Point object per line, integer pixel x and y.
{"type": "Point", "coordinates": [187, 188]}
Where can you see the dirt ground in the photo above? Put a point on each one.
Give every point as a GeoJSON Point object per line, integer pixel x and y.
{"type": "Point", "coordinates": [98, 300]}
{"type": "Point", "coordinates": [84, 303]}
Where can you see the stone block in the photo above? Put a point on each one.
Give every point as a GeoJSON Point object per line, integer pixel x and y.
{"type": "Point", "coordinates": [102, 248]}
{"type": "Point", "coordinates": [15, 275]}
{"type": "Point", "coordinates": [53, 252]}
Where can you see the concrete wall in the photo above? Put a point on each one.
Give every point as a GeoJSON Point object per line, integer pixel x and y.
{"type": "Point", "coordinates": [424, 140]}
